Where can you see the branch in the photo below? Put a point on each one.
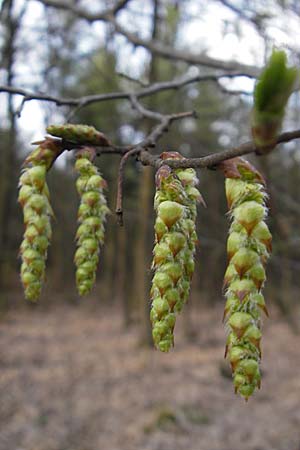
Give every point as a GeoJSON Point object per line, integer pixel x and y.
{"type": "Point", "coordinates": [84, 14]}
{"type": "Point", "coordinates": [142, 147]}
{"type": "Point", "coordinates": [210, 161]}
{"type": "Point", "coordinates": [83, 101]}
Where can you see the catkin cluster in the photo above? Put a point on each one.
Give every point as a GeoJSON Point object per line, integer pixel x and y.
{"type": "Point", "coordinates": [91, 217]}
{"type": "Point", "coordinates": [248, 248]}
{"type": "Point", "coordinates": [173, 255]}
{"type": "Point", "coordinates": [34, 199]}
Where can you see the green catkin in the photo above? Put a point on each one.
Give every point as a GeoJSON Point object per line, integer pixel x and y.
{"type": "Point", "coordinates": [248, 248]}
{"type": "Point", "coordinates": [175, 242]}
{"type": "Point", "coordinates": [91, 217]}
{"type": "Point", "coordinates": [37, 212]}
{"type": "Point", "coordinates": [78, 134]}
{"type": "Point", "coordinates": [271, 95]}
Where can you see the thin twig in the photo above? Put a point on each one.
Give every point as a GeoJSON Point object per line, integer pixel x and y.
{"type": "Point", "coordinates": [86, 100]}
{"type": "Point", "coordinates": [119, 203]}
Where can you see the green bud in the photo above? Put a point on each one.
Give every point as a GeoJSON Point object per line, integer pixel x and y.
{"type": "Point", "coordinates": [232, 305]}
{"type": "Point", "coordinates": [41, 223]}
{"type": "Point", "coordinates": [161, 253]}
{"type": "Point", "coordinates": [30, 255]}
{"type": "Point", "coordinates": [37, 267]}
{"type": "Point", "coordinates": [249, 214]}
{"type": "Point", "coordinates": [91, 198]}
{"type": "Point", "coordinates": [174, 271]}
{"type": "Point", "coordinates": [230, 274]}
{"type": "Point", "coordinates": [246, 390]}
{"type": "Point", "coordinates": [38, 203]}
{"type": "Point", "coordinates": [243, 260]}
{"type": "Point", "coordinates": [253, 335]}
{"type": "Point", "coordinates": [239, 323]}
{"type": "Point", "coordinates": [257, 274]}
{"type": "Point", "coordinates": [28, 278]}
{"type": "Point", "coordinates": [170, 212]}
{"type": "Point", "coordinates": [187, 176]}
{"type": "Point", "coordinates": [242, 288]}
{"type": "Point", "coordinates": [36, 176]}
{"type": "Point", "coordinates": [95, 182]}
{"type": "Point", "coordinates": [193, 193]}
{"type": "Point", "coordinates": [162, 281]}
{"type": "Point", "coordinates": [238, 381]}
{"type": "Point", "coordinates": [259, 300]}
{"type": "Point", "coordinates": [160, 306]}
{"type": "Point", "coordinates": [41, 243]}
{"type": "Point", "coordinates": [90, 244]}
{"type": "Point", "coordinates": [176, 242]}
{"type": "Point", "coordinates": [33, 291]}
{"type": "Point", "coordinates": [165, 344]}
{"type": "Point", "coordinates": [173, 298]}
{"type": "Point", "coordinates": [25, 192]}
{"type": "Point", "coordinates": [160, 229]}
{"type": "Point", "coordinates": [236, 354]}
{"type": "Point", "coordinates": [262, 234]}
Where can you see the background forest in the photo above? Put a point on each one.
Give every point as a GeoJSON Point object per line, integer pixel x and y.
{"type": "Point", "coordinates": [81, 373]}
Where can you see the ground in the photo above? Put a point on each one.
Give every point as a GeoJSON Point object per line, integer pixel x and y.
{"type": "Point", "coordinates": [74, 379]}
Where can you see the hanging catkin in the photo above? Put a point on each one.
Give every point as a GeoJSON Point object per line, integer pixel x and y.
{"type": "Point", "coordinates": [248, 248]}
{"type": "Point", "coordinates": [173, 255]}
{"type": "Point", "coordinates": [91, 217]}
{"type": "Point", "coordinates": [34, 199]}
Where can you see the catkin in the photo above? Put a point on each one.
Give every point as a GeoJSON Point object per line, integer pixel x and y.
{"type": "Point", "coordinates": [173, 255]}
{"type": "Point", "coordinates": [248, 248]}
{"type": "Point", "coordinates": [37, 211]}
{"type": "Point", "coordinates": [78, 134]}
{"type": "Point", "coordinates": [91, 217]}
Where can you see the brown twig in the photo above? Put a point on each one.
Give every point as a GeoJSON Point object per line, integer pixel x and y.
{"type": "Point", "coordinates": [210, 161]}
{"type": "Point", "coordinates": [119, 203]}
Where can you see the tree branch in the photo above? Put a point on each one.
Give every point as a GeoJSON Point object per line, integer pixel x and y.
{"type": "Point", "coordinates": [83, 101]}
{"type": "Point", "coordinates": [210, 161]}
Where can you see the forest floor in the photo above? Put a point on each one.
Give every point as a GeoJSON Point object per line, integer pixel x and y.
{"type": "Point", "coordinates": [74, 379]}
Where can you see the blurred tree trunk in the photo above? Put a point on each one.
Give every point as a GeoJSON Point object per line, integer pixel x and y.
{"type": "Point", "coordinates": [110, 249]}
{"type": "Point", "coordinates": [142, 254]}
{"type": "Point", "coordinates": [120, 288]}
{"type": "Point", "coordinates": [8, 151]}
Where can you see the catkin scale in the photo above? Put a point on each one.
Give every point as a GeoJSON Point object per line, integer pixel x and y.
{"type": "Point", "coordinates": [175, 240]}
{"type": "Point", "coordinates": [92, 213]}
{"type": "Point", "coordinates": [248, 248]}
{"type": "Point", "coordinates": [34, 199]}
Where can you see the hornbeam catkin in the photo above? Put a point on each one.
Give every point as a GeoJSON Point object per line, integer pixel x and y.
{"type": "Point", "coordinates": [78, 134]}
{"type": "Point", "coordinates": [248, 248]}
{"type": "Point", "coordinates": [34, 199]}
{"type": "Point", "coordinates": [173, 255]}
{"type": "Point", "coordinates": [91, 217]}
